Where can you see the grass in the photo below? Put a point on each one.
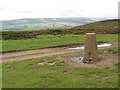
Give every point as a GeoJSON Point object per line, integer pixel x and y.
{"type": "Point", "coordinates": [112, 50]}
{"type": "Point", "coordinates": [29, 74]}
{"type": "Point", "coordinates": [44, 41]}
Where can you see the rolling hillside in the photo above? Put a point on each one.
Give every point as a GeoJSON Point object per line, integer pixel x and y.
{"type": "Point", "coordinates": [45, 23]}
{"type": "Point", "coordinates": [106, 26]}
{"type": "Point", "coordinates": [101, 27]}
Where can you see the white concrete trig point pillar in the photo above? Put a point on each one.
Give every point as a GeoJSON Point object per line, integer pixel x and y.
{"type": "Point", "coordinates": [90, 50]}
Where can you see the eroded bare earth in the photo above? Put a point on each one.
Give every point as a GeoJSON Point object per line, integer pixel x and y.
{"type": "Point", "coordinates": [30, 54]}
{"type": "Point", "coordinates": [107, 60]}
{"type": "Point", "coordinates": [23, 55]}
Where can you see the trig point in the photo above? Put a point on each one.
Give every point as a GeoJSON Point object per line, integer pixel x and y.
{"type": "Point", "coordinates": [90, 50]}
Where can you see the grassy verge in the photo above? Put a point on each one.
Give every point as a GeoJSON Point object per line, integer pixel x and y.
{"type": "Point", "coordinates": [44, 41]}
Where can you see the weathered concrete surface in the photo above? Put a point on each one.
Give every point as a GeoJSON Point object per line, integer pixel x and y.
{"type": "Point", "coordinates": [90, 51]}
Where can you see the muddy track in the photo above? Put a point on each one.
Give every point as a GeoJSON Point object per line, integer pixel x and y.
{"type": "Point", "coordinates": [31, 54]}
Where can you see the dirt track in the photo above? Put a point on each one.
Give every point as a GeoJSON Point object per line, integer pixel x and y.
{"type": "Point", "coordinates": [23, 55]}
{"type": "Point", "coordinates": [30, 54]}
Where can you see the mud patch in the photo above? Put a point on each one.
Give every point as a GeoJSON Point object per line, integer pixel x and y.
{"type": "Point", "coordinates": [68, 72]}
{"type": "Point", "coordinates": [106, 61]}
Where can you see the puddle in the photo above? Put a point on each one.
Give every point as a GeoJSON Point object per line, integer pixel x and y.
{"type": "Point", "coordinates": [77, 48]}
{"type": "Point", "coordinates": [102, 45]}
{"type": "Point", "coordinates": [77, 59]}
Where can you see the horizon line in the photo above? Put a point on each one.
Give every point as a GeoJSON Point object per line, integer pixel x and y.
{"type": "Point", "coordinates": [57, 17]}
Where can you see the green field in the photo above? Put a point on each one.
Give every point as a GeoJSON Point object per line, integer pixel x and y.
{"type": "Point", "coordinates": [54, 71]}
{"type": "Point", "coordinates": [29, 74]}
{"type": "Point", "coordinates": [43, 41]}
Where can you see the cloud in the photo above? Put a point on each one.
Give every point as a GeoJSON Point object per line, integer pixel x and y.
{"type": "Point", "coordinates": [22, 12]}
{"type": "Point", "coordinates": [2, 8]}
{"type": "Point", "coordinates": [13, 9]}
{"type": "Point", "coordinates": [70, 13]}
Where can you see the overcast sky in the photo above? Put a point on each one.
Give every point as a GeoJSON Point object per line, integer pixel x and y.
{"type": "Point", "coordinates": [15, 9]}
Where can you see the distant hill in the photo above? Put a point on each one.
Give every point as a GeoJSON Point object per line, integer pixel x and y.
{"type": "Point", "coordinates": [101, 27]}
{"type": "Point", "coordinates": [45, 23]}
{"type": "Point", "coordinates": [106, 26]}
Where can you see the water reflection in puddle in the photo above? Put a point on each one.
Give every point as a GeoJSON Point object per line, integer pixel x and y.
{"type": "Point", "coordinates": [77, 59]}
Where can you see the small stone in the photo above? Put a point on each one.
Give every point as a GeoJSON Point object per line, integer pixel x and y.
{"type": "Point", "coordinates": [105, 51]}
{"type": "Point", "coordinates": [51, 63]}
{"type": "Point", "coordinates": [40, 63]}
